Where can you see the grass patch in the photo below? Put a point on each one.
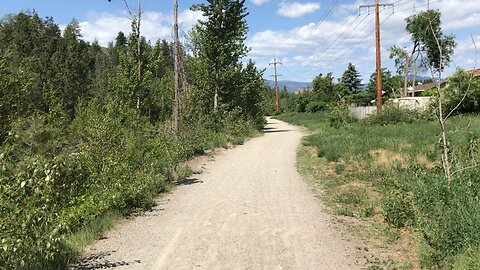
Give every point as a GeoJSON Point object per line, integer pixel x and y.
{"type": "Point", "coordinates": [79, 240]}
{"type": "Point", "coordinates": [390, 175]}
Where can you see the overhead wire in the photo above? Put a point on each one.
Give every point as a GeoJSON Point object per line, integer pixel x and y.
{"type": "Point", "coordinates": [371, 32]}
{"type": "Point", "coordinates": [362, 39]}
{"type": "Point", "coordinates": [331, 44]}
{"type": "Point", "coordinates": [322, 19]}
{"type": "Point", "coordinates": [344, 31]}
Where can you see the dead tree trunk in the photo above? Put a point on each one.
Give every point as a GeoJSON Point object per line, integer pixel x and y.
{"type": "Point", "coordinates": [139, 56]}
{"type": "Point", "coordinates": [176, 101]}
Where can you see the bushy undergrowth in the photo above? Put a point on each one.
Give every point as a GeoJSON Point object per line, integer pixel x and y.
{"type": "Point", "coordinates": [55, 177]}
{"type": "Point", "coordinates": [340, 115]}
{"type": "Point", "coordinates": [399, 167]}
{"type": "Point", "coordinates": [392, 115]}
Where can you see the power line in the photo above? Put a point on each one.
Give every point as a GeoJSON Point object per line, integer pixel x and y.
{"type": "Point", "coordinates": [322, 19]}
{"type": "Point", "coordinates": [333, 34]}
{"type": "Point", "coordinates": [359, 43]}
{"type": "Point", "coordinates": [331, 44]}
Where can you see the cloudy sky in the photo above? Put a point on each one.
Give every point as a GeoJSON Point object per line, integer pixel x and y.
{"type": "Point", "coordinates": [308, 36]}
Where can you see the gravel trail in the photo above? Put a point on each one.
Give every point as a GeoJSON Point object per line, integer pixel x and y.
{"type": "Point", "coordinates": [248, 209]}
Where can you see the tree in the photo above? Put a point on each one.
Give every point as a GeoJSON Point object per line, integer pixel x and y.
{"type": "Point", "coordinates": [219, 45]}
{"type": "Point", "coordinates": [351, 79]}
{"type": "Point", "coordinates": [324, 88]}
{"type": "Point", "coordinates": [389, 82]}
{"type": "Point", "coordinates": [425, 29]}
{"type": "Point", "coordinates": [402, 62]}
{"type": "Point", "coordinates": [426, 34]}
{"type": "Point", "coordinates": [463, 93]}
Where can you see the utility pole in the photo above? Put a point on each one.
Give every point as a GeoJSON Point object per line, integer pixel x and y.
{"type": "Point", "coordinates": [276, 81]}
{"type": "Point", "coordinates": [378, 52]}
{"type": "Point", "coordinates": [176, 101]}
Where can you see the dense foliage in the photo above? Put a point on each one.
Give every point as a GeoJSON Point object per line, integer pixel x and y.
{"type": "Point", "coordinates": [86, 130]}
{"type": "Point", "coordinates": [463, 93]}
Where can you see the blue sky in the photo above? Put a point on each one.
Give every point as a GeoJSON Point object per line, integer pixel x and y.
{"type": "Point", "coordinates": [286, 29]}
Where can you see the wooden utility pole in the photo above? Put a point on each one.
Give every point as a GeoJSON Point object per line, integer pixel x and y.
{"type": "Point", "coordinates": [378, 51]}
{"type": "Point", "coordinates": [176, 101]}
{"type": "Point", "coordinates": [276, 81]}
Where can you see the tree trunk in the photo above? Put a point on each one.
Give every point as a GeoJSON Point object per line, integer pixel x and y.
{"type": "Point", "coordinates": [215, 99]}
{"type": "Point", "coordinates": [176, 102]}
{"type": "Point", "coordinates": [405, 83]}
{"type": "Point", "coordinates": [139, 55]}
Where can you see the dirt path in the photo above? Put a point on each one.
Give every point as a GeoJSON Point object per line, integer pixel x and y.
{"type": "Point", "coordinates": [249, 209]}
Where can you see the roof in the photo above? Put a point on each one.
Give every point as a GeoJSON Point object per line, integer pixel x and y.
{"type": "Point", "coordinates": [474, 72]}
{"type": "Point", "coordinates": [424, 87]}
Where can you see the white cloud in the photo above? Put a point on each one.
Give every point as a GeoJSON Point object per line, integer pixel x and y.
{"type": "Point", "coordinates": [296, 9]}
{"type": "Point", "coordinates": [104, 27]}
{"type": "Point", "coordinates": [259, 2]}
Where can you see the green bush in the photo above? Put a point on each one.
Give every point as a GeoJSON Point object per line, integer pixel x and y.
{"type": "Point", "coordinates": [340, 115]}
{"type": "Point", "coordinates": [30, 231]}
{"type": "Point", "coordinates": [392, 115]}
{"type": "Point", "coordinates": [398, 208]}
{"type": "Point", "coordinates": [463, 93]}
{"type": "Point", "coordinates": [315, 106]}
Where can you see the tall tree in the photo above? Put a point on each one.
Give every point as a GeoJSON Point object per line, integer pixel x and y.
{"type": "Point", "coordinates": [219, 45]}
{"type": "Point", "coordinates": [426, 33]}
{"type": "Point", "coordinates": [403, 60]}
{"type": "Point", "coordinates": [323, 86]}
{"type": "Point", "coordinates": [425, 28]}
{"type": "Point", "coordinates": [351, 79]}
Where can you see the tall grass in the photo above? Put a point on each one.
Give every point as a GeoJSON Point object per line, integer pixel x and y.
{"type": "Point", "coordinates": [394, 171]}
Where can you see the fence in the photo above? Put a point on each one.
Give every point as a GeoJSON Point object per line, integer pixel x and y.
{"type": "Point", "coordinates": [363, 111]}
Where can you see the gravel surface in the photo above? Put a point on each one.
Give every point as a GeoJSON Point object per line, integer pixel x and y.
{"type": "Point", "coordinates": [247, 209]}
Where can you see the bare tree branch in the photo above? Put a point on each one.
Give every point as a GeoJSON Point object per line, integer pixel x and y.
{"type": "Point", "coordinates": [441, 119]}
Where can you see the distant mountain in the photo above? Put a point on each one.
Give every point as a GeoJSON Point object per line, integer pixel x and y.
{"type": "Point", "coordinates": [290, 85]}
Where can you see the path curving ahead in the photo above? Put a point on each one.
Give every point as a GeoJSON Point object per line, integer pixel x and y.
{"type": "Point", "coordinates": [249, 209]}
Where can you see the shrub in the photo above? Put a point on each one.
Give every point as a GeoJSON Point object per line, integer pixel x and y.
{"type": "Point", "coordinates": [463, 91]}
{"type": "Point", "coordinates": [315, 106]}
{"type": "Point", "coordinates": [391, 115]}
{"type": "Point", "coordinates": [340, 115]}
{"type": "Point", "coordinates": [30, 201]}
{"type": "Point", "coordinates": [398, 208]}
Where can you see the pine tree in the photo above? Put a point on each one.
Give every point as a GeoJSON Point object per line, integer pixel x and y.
{"type": "Point", "coordinates": [351, 79]}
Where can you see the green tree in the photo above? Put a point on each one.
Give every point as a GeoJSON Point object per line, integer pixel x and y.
{"type": "Point", "coordinates": [218, 46]}
{"type": "Point", "coordinates": [390, 83]}
{"type": "Point", "coordinates": [463, 93]}
{"type": "Point", "coordinates": [351, 79]}
{"type": "Point", "coordinates": [323, 86]}
{"type": "Point", "coordinates": [426, 33]}
{"type": "Point", "coordinates": [73, 69]}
